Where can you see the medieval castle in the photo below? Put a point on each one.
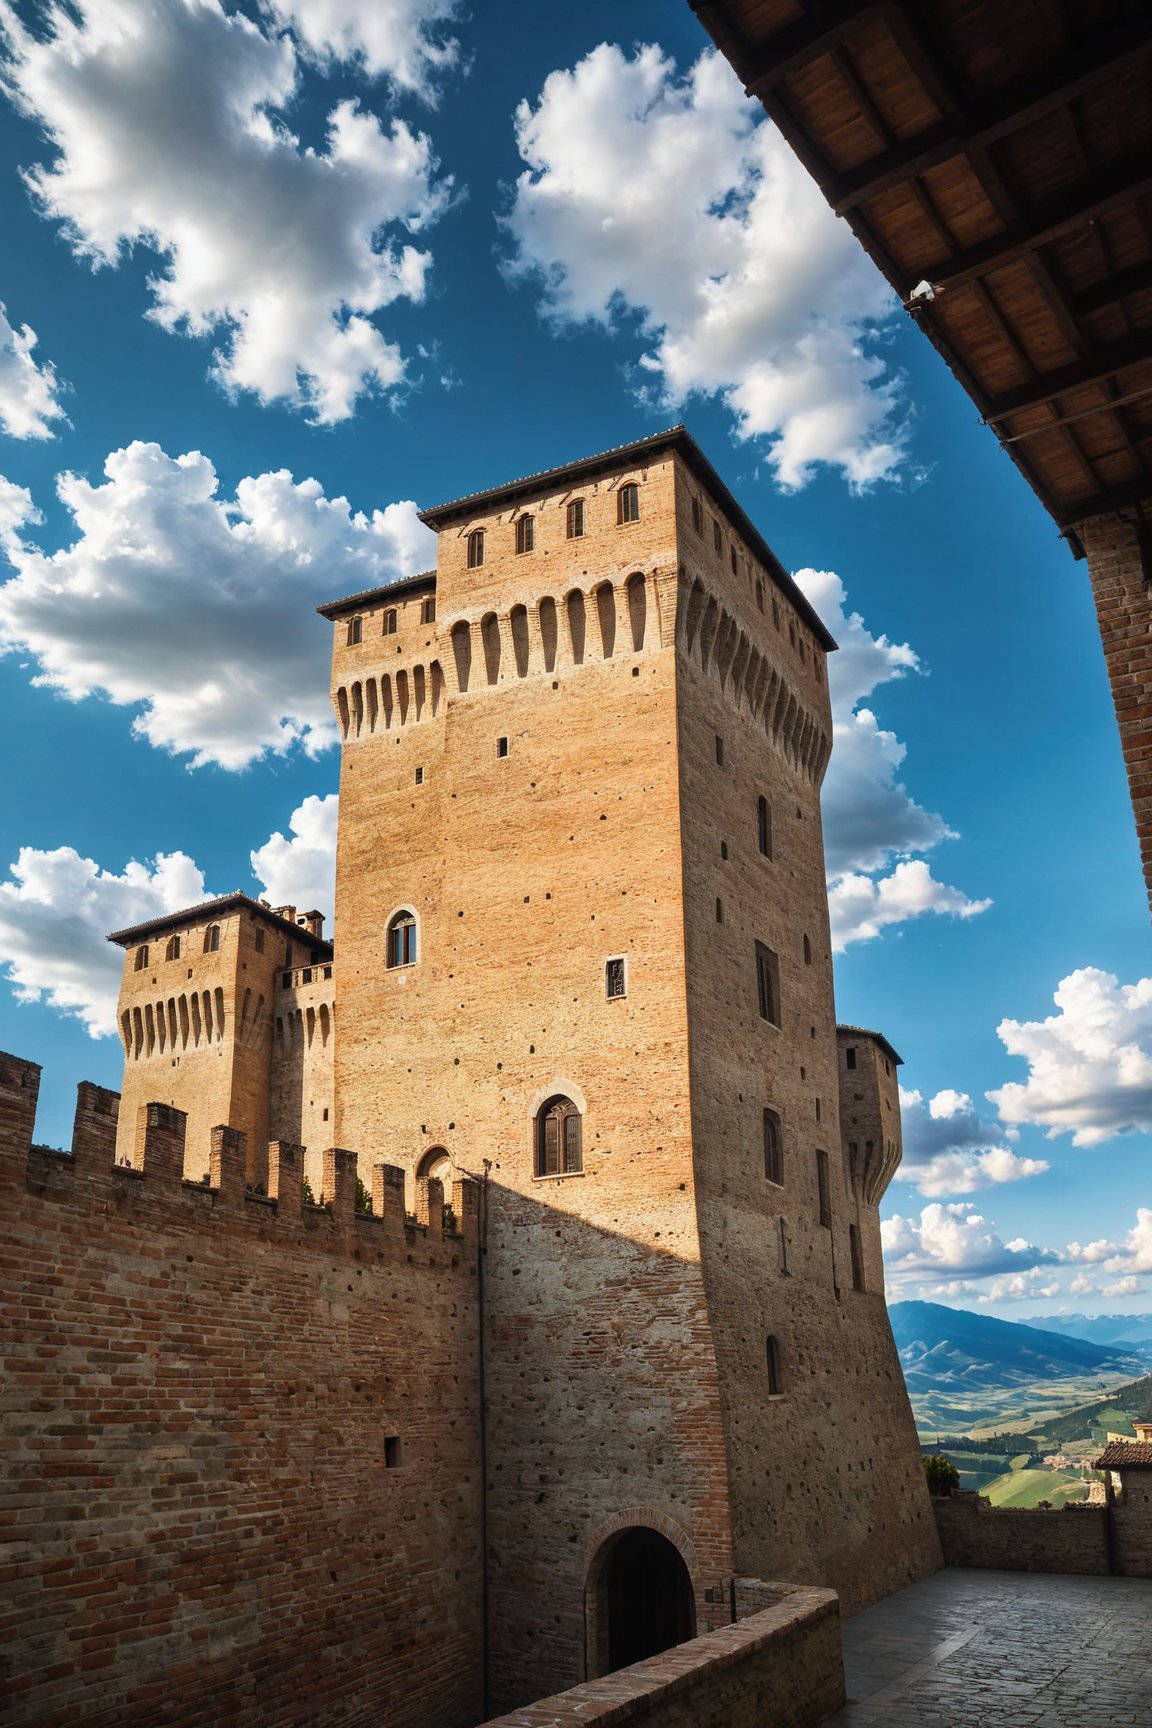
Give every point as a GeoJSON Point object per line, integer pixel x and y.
{"type": "Point", "coordinates": [601, 1341]}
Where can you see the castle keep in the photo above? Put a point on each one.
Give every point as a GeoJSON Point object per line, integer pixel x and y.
{"type": "Point", "coordinates": [582, 991]}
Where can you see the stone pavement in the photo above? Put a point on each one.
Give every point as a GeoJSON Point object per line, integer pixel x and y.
{"type": "Point", "coordinates": [974, 1649]}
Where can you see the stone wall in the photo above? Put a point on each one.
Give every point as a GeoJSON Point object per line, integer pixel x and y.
{"type": "Point", "coordinates": [974, 1533]}
{"type": "Point", "coordinates": [238, 1436]}
{"type": "Point", "coordinates": [1132, 1525]}
{"type": "Point", "coordinates": [1124, 610]}
{"type": "Point", "coordinates": [780, 1669]}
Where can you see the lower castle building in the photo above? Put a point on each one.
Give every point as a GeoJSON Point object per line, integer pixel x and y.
{"type": "Point", "coordinates": [612, 1339]}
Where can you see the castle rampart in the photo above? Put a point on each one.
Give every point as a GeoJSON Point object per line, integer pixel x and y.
{"type": "Point", "coordinates": [239, 1436]}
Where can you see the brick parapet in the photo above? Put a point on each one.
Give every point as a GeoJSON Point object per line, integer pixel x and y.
{"type": "Point", "coordinates": [780, 1668]}
{"type": "Point", "coordinates": [973, 1532]}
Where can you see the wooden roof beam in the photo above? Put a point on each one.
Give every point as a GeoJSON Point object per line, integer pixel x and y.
{"type": "Point", "coordinates": [797, 45]}
{"type": "Point", "coordinates": [1101, 503]}
{"type": "Point", "coordinates": [1018, 241]}
{"type": "Point", "coordinates": [1113, 289]}
{"type": "Point", "coordinates": [1051, 385]}
{"type": "Point", "coordinates": [1060, 82]}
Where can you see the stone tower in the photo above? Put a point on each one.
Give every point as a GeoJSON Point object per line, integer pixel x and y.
{"type": "Point", "coordinates": [211, 1024]}
{"type": "Point", "coordinates": [585, 950]}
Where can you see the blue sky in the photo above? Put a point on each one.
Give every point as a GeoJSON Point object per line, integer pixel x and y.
{"type": "Point", "coordinates": [465, 290]}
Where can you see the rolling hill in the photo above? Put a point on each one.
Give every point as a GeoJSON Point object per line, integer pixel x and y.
{"type": "Point", "coordinates": [951, 1350]}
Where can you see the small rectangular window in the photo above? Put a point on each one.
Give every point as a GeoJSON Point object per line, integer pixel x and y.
{"type": "Point", "coordinates": [615, 978]}
{"type": "Point", "coordinates": [258, 938]}
{"type": "Point", "coordinates": [575, 519]}
{"type": "Point", "coordinates": [697, 516]}
{"type": "Point", "coordinates": [501, 746]}
{"type": "Point", "coordinates": [719, 910]}
{"type": "Point", "coordinates": [428, 612]}
{"type": "Point", "coordinates": [355, 631]}
{"type": "Point", "coordinates": [526, 534]}
{"type": "Point", "coordinates": [824, 1189]}
{"type": "Point", "coordinates": [768, 984]}
{"type": "Point", "coordinates": [857, 1257]}
{"type": "Point", "coordinates": [419, 776]}
{"type": "Point", "coordinates": [850, 1056]}
{"type": "Point", "coordinates": [392, 1452]}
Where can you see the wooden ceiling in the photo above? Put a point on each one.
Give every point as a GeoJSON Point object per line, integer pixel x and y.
{"type": "Point", "coordinates": [994, 157]}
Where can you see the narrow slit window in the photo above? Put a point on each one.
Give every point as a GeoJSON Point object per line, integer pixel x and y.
{"type": "Point", "coordinates": [391, 1445]}
{"type": "Point", "coordinates": [575, 519]}
{"type": "Point", "coordinates": [475, 548]}
{"type": "Point", "coordinates": [850, 1056]}
{"type": "Point", "coordinates": [615, 978]}
{"type": "Point", "coordinates": [697, 516]}
{"type": "Point", "coordinates": [857, 1257]}
{"type": "Point", "coordinates": [772, 1355]}
{"type": "Point", "coordinates": [419, 776]}
{"type": "Point", "coordinates": [628, 503]}
{"type": "Point", "coordinates": [719, 751]}
{"type": "Point", "coordinates": [258, 938]}
{"type": "Point", "coordinates": [501, 747]}
{"type": "Point", "coordinates": [824, 1189]}
{"type": "Point", "coordinates": [773, 1148]}
{"type": "Point", "coordinates": [764, 827]}
{"type": "Point", "coordinates": [807, 951]}
{"type": "Point", "coordinates": [717, 538]}
{"type": "Point", "coordinates": [526, 534]}
{"type": "Point", "coordinates": [719, 910]}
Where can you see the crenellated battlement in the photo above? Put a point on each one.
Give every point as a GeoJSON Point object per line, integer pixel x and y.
{"type": "Point", "coordinates": [267, 1195]}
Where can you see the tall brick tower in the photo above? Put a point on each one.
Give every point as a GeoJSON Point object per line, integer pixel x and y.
{"type": "Point", "coordinates": [584, 947]}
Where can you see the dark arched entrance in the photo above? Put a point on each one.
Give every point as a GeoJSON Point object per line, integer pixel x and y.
{"type": "Point", "coordinates": [644, 1599]}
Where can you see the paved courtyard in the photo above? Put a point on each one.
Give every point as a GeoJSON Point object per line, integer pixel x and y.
{"type": "Point", "coordinates": [973, 1649]}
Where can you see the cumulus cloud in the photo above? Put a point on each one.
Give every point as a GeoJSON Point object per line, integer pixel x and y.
{"type": "Point", "coordinates": [870, 818]}
{"type": "Point", "coordinates": [1089, 1065]}
{"type": "Point", "coordinates": [301, 871]}
{"type": "Point", "coordinates": [195, 610]}
{"type": "Point", "coordinates": [56, 909]}
{"type": "Point", "coordinates": [167, 122]}
{"type": "Point", "coordinates": [955, 1240]}
{"type": "Point", "coordinates": [28, 392]}
{"type": "Point", "coordinates": [1132, 1255]}
{"type": "Point", "coordinates": [755, 292]}
{"type": "Point", "coordinates": [401, 40]}
{"type": "Point", "coordinates": [950, 1149]}
{"type": "Point", "coordinates": [17, 512]}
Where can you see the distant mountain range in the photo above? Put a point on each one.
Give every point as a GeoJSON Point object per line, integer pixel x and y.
{"type": "Point", "coordinates": [951, 1350]}
{"type": "Point", "coordinates": [1131, 1331]}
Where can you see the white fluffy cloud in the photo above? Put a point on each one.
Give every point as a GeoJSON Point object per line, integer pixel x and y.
{"type": "Point", "coordinates": [401, 40]}
{"type": "Point", "coordinates": [753, 291]}
{"type": "Point", "coordinates": [28, 392]}
{"type": "Point", "coordinates": [168, 125]}
{"type": "Point", "coordinates": [954, 1240]}
{"type": "Point", "coordinates": [949, 1149]}
{"type": "Point", "coordinates": [301, 871]}
{"type": "Point", "coordinates": [1132, 1255]}
{"type": "Point", "coordinates": [195, 610]}
{"type": "Point", "coordinates": [870, 818]}
{"type": "Point", "coordinates": [1089, 1065]}
{"type": "Point", "coordinates": [57, 907]}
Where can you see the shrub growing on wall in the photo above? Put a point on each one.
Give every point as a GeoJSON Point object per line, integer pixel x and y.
{"type": "Point", "coordinates": [943, 1476]}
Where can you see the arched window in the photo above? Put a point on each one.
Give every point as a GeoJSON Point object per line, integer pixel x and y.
{"type": "Point", "coordinates": [355, 631]}
{"type": "Point", "coordinates": [212, 939]}
{"type": "Point", "coordinates": [142, 957]}
{"type": "Point", "coordinates": [628, 503]}
{"type": "Point", "coordinates": [773, 1148]}
{"type": "Point", "coordinates": [436, 1166]}
{"type": "Point", "coordinates": [575, 519]}
{"type": "Point", "coordinates": [389, 621]}
{"type": "Point", "coordinates": [526, 534]}
{"type": "Point", "coordinates": [475, 548]}
{"type": "Point", "coordinates": [172, 951]}
{"type": "Point", "coordinates": [559, 1143]}
{"type": "Point", "coordinates": [401, 940]}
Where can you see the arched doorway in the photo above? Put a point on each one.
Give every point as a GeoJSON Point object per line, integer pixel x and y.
{"type": "Point", "coordinates": [643, 1599]}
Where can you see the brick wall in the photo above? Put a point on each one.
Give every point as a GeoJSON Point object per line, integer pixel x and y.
{"type": "Point", "coordinates": [973, 1533]}
{"type": "Point", "coordinates": [1132, 1525]}
{"type": "Point", "coordinates": [1124, 609]}
{"type": "Point", "coordinates": [780, 1669]}
{"type": "Point", "coordinates": [201, 1520]}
